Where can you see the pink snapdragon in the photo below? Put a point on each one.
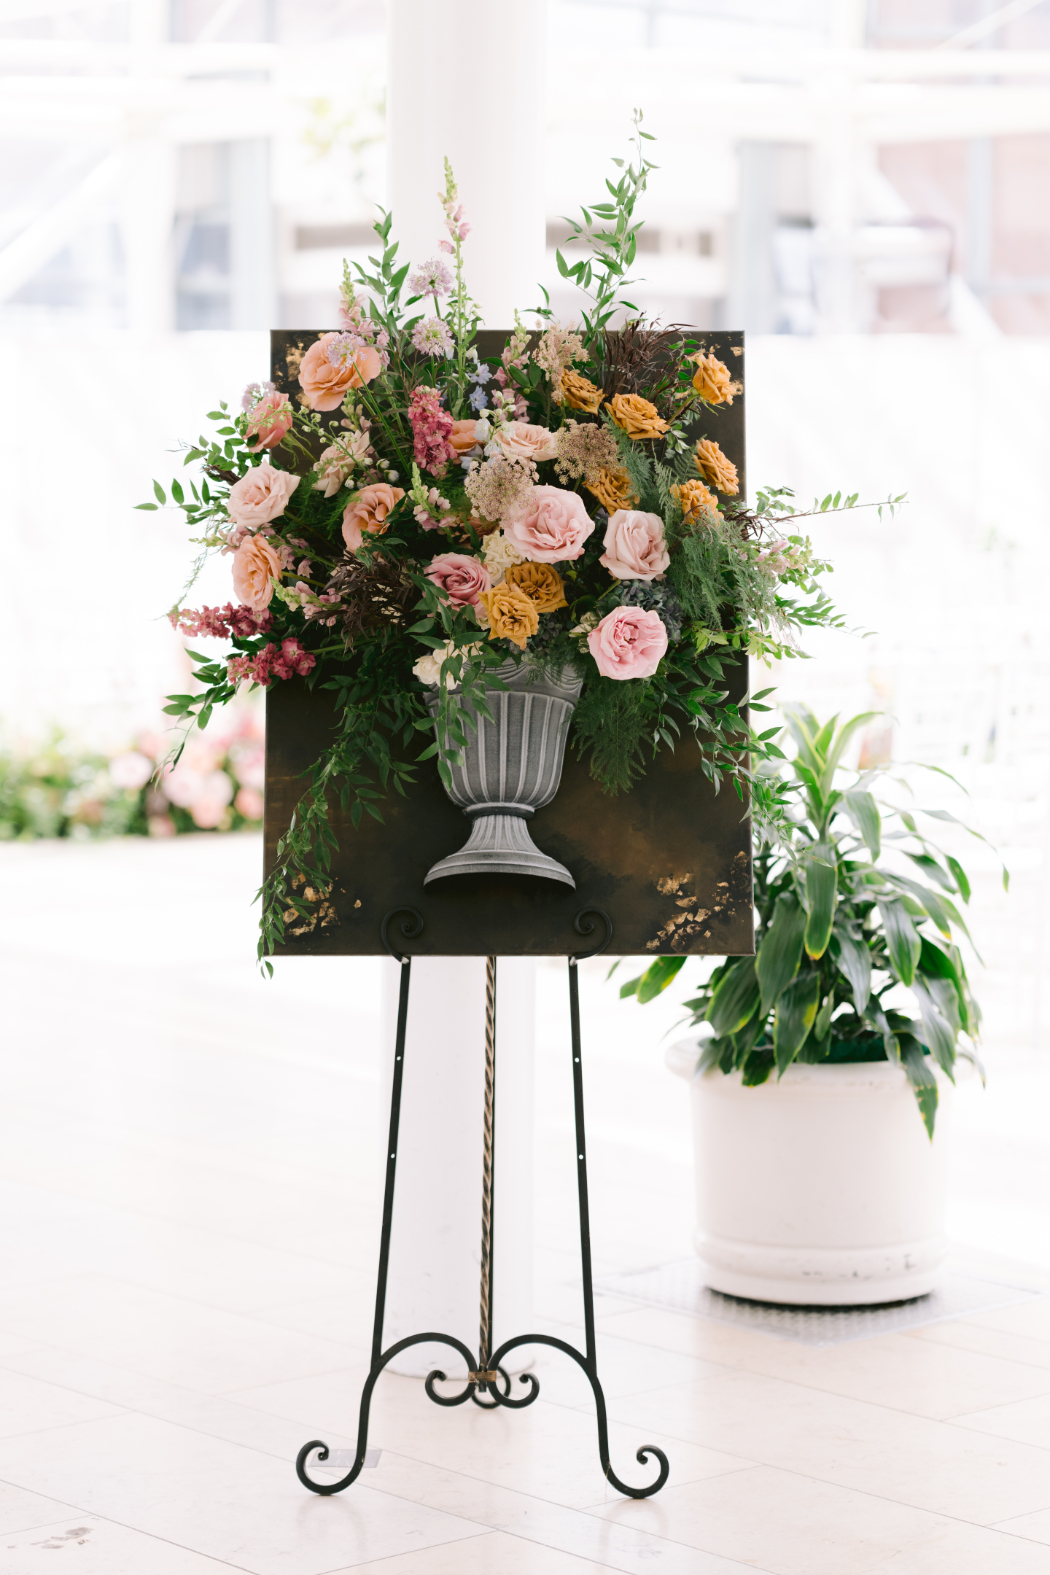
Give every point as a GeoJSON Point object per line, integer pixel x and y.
{"type": "Point", "coordinates": [431, 430]}
{"type": "Point", "coordinates": [273, 661]}
{"type": "Point", "coordinates": [219, 623]}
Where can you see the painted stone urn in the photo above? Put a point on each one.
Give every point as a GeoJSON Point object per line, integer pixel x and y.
{"type": "Point", "coordinates": [510, 768]}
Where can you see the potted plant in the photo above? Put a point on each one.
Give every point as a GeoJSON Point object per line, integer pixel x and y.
{"type": "Point", "coordinates": [817, 1180]}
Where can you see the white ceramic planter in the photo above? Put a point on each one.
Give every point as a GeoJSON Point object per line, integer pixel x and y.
{"type": "Point", "coordinates": [822, 1189]}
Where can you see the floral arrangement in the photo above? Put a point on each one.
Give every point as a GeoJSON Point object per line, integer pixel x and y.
{"type": "Point", "coordinates": [418, 513]}
{"type": "Point", "coordinates": [60, 789]}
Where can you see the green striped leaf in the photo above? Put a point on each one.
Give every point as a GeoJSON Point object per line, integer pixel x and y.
{"type": "Point", "coordinates": [735, 998]}
{"type": "Point", "coordinates": [781, 950]}
{"type": "Point", "coordinates": [794, 1017]}
{"type": "Point", "coordinates": [902, 938]}
{"type": "Point", "coordinates": [821, 898]}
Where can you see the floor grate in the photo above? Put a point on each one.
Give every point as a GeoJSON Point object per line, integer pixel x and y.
{"type": "Point", "coordinates": [680, 1286]}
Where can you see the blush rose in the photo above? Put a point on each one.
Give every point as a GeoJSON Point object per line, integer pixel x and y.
{"type": "Point", "coordinates": [255, 567]}
{"type": "Point", "coordinates": [522, 440]}
{"type": "Point", "coordinates": [269, 421]}
{"type": "Point", "coordinates": [552, 526]}
{"type": "Point", "coordinates": [261, 496]}
{"type": "Point", "coordinates": [325, 382]}
{"type": "Point", "coordinates": [635, 548]}
{"type": "Point", "coordinates": [628, 643]}
{"type": "Point", "coordinates": [461, 578]}
{"type": "Point", "coordinates": [369, 511]}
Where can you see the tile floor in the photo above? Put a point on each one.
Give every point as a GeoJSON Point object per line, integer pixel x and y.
{"type": "Point", "coordinates": [187, 1234]}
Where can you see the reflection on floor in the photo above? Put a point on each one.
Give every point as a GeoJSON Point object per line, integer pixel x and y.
{"type": "Point", "coordinates": [188, 1223]}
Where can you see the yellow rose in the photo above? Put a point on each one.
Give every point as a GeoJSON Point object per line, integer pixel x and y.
{"type": "Point", "coordinates": [512, 615]}
{"type": "Point", "coordinates": [712, 380]}
{"type": "Point", "coordinates": [579, 393]}
{"type": "Point", "coordinates": [695, 501]}
{"type": "Point", "coordinates": [612, 488]}
{"type": "Point", "coordinates": [638, 418]}
{"type": "Point", "coordinates": [540, 582]}
{"type": "Point", "coordinates": [714, 467]}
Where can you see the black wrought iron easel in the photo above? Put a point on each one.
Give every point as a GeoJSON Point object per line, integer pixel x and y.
{"type": "Point", "coordinates": [488, 1384]}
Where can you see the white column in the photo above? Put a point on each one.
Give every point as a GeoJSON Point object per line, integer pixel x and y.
{"type": "Point", "coordinates": [435, 1256]}
{"type": "Point", "coordinates": [466, 80]}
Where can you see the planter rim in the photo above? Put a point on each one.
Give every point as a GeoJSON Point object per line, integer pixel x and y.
{"type": "Point", "coordinates": [681, 1058]}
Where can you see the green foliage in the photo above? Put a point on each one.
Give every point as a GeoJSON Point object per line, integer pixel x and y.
{"type": "Point", "coordinates": [840, 936]}
{"type": "Point", "coordinates": [611, 231]}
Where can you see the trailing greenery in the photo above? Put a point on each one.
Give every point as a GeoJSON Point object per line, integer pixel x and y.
{"type": "Point", "coordinates": [843, 937]}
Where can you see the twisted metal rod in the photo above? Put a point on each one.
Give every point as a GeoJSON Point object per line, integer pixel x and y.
{"type": "Point", "coordinates": [488, 1173]}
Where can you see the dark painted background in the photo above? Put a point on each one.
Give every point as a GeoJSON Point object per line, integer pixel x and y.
{"type": "Point", "coordinates": [670, 861]}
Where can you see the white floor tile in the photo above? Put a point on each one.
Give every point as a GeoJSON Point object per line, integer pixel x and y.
{"type": "Point", "coordinates": [21, 1510]}
{"type": "Point", "coordinates": [968, 1336]}
{"type": "Point", "coordinates": [931, 1465]}
{"type": "Point", "coordinates": [90, 1546]}
{"type": "Point", "coordinates": [27, 1405]}
{"type": "Point", "coordinates": [218, 1499]}
{"type": "Point", "coordinates": [164, 1336]}
{"type": "Point", "coordinates": [1027, 1421]}
{"type": "Point", "coordinates": [903, 1373]}
{"type": "Point", "coordinates": [780, 1521]}
{"type": "Point", "coordinates": [496, 1553]}
{"type": "Point", "coordinates": [967, 1550]}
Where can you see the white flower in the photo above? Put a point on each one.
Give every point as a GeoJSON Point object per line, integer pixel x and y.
{"type": "Point", "coordinates": [498, 554]}
{"type": "Point", "coordinates": [428, 668]}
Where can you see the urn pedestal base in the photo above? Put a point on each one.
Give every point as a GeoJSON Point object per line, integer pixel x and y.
{"type": "Point", "coordinates": [500, 845]}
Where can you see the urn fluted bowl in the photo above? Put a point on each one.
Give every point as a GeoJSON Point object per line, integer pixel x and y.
{"type": "Point", "coordinates": [510, 768]}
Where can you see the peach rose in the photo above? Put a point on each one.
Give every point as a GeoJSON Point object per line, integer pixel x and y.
{"type": "Point", "coordinates": [579, 393]}
{"type": "Point", "coordinates": [369, 511]}
{"type": "Point", "coordinates": [462, 579]}
{"type": "Point", "coordinates": [261, 496]}
{"type": "Point", "coordinates": [715, 467]}
{"type": "Point", "coordinates": [521, 440]}
{"type": "Point", "coordinates": [462, 436]}
{"type": "Point", "coordinates": [324, 382]}
{"type": "Point", "coordinates": [698, 505]}
{"type": "Point", "coordinates": [269, 421]}
{"type": "Point", "coordinates": [255, 567]}
{"type": "Point", "coordinates": [628, 643]}
{"type": "Point", "coordinates": [635, 548]}
{"type": "Point", "coordinates": [712, 380]}
{"type": "Point", "coordinates": [552, 526]}
{"type": "Point", "coordinates": [511, 614]}
{"type": "Point", "coordinates": [541, 583]}
{"type": "Point", "coordinates": [612, 488]}
{"type": "Point", "coordinates": [637, 417]}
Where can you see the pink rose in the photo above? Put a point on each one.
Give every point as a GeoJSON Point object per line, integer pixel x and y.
{"type": "Point", "coordinates": [635, 548]}
{"type": "Point", "coordinates": [368, 512]}
{"type": "Point", "coordinates": [552, 526]}
{"type": "Point", "coordinates": [261, 496]}
{"type": "Point", "coordinates": [461, 578]}
{"type": "Point", "coordinates": [628, 643]}
{"type": "Point", "coordinates": [325, 382]}
{"type": "Point", "coordinates": [269, 421]}
{"type": "Point", "coordinates": [521, 440]}
{"type": "Point", "coordinates": [255, 566]}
